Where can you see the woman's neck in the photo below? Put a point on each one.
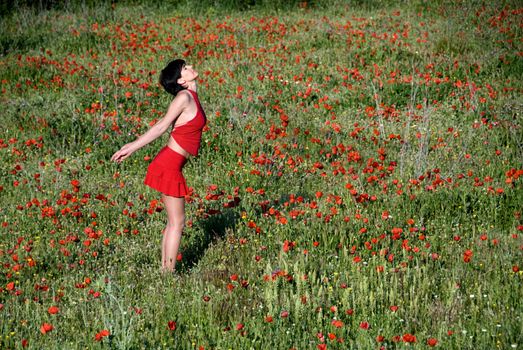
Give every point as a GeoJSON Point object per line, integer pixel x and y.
{"type": "Point", "coordinates": [191, 85]}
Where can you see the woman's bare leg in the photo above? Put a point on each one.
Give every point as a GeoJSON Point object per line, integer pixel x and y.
{"type": "Point", "coordinates": [172, 234]}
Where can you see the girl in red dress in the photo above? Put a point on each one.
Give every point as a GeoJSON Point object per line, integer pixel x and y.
{"type": "Point", "coordinates": [187, 119]}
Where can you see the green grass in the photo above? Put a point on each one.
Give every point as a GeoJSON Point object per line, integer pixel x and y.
{"type": "Point", "coordinates": [366, 158]}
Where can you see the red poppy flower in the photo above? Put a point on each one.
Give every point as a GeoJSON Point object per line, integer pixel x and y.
{"type": "Point", "coordinates": [409, 338]}
{"type": "Point", "coordinates": [467, 255]}
{"type": "Point", "coordinates": [102, 334]}
{"type": "Point", "coordinates": [432, 342]}
{"type": "Point", "coordinates": [46, 328]}
{"type": "Point", "coordinates": [171, 325]}
{"type": "Point", "coordinates": [337, 323]}
{"type": "Point", "coordinates": [53, 310]}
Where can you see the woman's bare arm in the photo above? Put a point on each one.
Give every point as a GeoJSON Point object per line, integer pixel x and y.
{"type": "Point", "coordinates": [180, 102]}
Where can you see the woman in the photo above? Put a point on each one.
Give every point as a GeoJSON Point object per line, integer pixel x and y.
{"type": "Point", "coordinates": [187, 118]}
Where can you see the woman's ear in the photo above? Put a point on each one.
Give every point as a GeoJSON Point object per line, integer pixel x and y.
{"type": "Point", "coordinates": [182, 83]}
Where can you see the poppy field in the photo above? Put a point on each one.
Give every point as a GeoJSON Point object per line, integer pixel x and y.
{"type": "Point", "coordinates": [359, 184]}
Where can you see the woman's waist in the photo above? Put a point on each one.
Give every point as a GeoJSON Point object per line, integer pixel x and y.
{"type": "Point", "coordinates": [175, 146]}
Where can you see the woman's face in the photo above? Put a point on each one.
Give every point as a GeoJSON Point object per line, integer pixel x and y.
{"type": "Point", "coordinates": [188, 73]}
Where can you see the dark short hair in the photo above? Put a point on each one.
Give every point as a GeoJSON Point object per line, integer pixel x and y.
{"type": "Point", "coordinates": [169, 76]}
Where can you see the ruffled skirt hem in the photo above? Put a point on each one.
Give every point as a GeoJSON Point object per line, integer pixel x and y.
{"type": "Point", "coordinates": [167, 187]}
{"type": "Point", "coordinates": [164, 174]}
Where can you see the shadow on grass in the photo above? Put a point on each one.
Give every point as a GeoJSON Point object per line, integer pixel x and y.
{"type": "Point", "coordinates": [207, 231]}
{"type": "Point", "coordinates": [214, 227]}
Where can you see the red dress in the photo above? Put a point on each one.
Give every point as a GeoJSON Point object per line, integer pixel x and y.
{"type": "Point", "coordinates": [165, 171]}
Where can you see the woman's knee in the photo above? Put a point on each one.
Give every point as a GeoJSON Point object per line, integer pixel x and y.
{"type": "Point", "coordinates": [177, 223]}
{"type": "Point", "coordinates": [175, 212]}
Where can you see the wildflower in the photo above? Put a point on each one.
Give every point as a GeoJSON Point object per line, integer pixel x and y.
{"type": "Point", "coordinates": [409, 338]}
{"type": "Point", "coordinates": [288, 246]}
{"type": "Point", "coordinates": [46, 328]}
{"type": "Point", "coordinates": [432, 342]}
{"type": "Point", "coordinates": [171, 325]}
{"type": "Point", "coordinates": [364, 325]}
{"type": "Point", "coordinates": [396, 338]}
{"type": "Point", "coordinates": [53, 310]}
{"type": "Point", "coordinates": [100, 335]}
{"type": "Point", "coordinates": [337, 323]}
{"type": "Point", "coordinates": [467, 255]}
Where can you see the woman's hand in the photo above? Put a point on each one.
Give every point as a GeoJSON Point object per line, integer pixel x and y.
{"type": "Point", "coordinates": [123, 153]}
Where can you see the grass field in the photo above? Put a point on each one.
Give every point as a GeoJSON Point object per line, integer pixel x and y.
{"type": "Point", "coordinates": [357, 186]}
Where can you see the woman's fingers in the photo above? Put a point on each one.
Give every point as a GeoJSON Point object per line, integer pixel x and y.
{"type": "Point", "coordinates": [115, 156]}
{"type": "Point", "coordinates": [118, 156]}
{"type": "Point", "coordinates": [122, 153]}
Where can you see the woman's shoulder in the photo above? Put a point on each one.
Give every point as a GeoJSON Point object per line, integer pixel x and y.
{"type": "Point", "coordinates": [183, 97]}
{"type": "Point", "coordinates": [184, 92]}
